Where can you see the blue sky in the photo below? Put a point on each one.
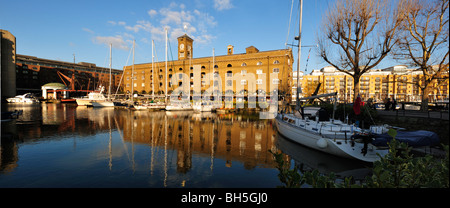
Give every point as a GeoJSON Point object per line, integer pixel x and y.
{"type": "Point", "coordinates": [58, 29]}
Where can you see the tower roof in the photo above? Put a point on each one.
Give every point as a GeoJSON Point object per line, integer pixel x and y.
{"type": "Point", "coordinates": [186, 36]}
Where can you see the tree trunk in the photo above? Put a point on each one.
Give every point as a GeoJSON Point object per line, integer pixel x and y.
{"type": "Point", "coordinates": [424, 104]}
{"type": "Point", "coordinates": [355, 86]}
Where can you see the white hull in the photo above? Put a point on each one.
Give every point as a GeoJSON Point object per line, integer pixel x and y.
{"type": "Point", "coordinates": [340, 146]}
{"type": "Point", "coordinates": [83, 102]}
{"type": "Point", "coordinates": [203, 108]}
{"type": "Point", "coordinates": [179, 107]}
{"type": "Point", "coordinates": [102, 104]}
{"type": "Point", "coordinates": [149, 107]}
{"type": "Point", "coordinates": [26, 98]}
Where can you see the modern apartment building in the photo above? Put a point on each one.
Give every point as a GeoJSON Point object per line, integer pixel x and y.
{"type": "Point", "coordinates": [398, 82]}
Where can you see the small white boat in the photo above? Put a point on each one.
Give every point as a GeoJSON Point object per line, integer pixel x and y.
{"type": "Point", "coordinates": [25, 98]}
{"type": "Point", "coordinates": [179, 106]}
{"type": "Point", "coordinates": [92, 96]}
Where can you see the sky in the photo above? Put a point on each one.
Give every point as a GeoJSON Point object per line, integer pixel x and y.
{"type": "Point", "coordinates": [59, 29]}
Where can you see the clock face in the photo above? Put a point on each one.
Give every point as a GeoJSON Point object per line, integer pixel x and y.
{"type": "Point", "coordinates": [181, 46]}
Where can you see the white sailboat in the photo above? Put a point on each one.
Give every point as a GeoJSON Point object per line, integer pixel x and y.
{"type": "Point", "coordinates": [329, 136]}
{"type": "Point", "coordinates": [106, 102]}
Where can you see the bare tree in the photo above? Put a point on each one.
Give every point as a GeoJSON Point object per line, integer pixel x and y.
{"type": "Point", "coordinates": [424, 42]}
{"type": "Point", "coordinates": [357, 35]}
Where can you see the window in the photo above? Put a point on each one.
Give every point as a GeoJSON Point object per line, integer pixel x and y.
{"type": "Point", "coordinates": [215, 66]}
{"type": "Point", "coordinates": [259, 81]}
{"type": "Point", "coordinates": [243, 82]}
{"type": "Point", "coordinates": [244, 64]}
{"type": "Point", "coordinates": [259, 71]}
{"type": "Point", "coordinates": [135, 85]}
{"type": "Point", "coordinates": [143, 85]}
{"type": "Point", "coordinates": [229, 65]}
{"type": "Point", "coordinates": [181, 54]}
{"type": "Point", "coordinates": [276, 81]}
{"type": "Point", "coordinates": [243, 72]}
{"type": "Point", "coordinates": [259, 63]}
{"type": "Point", "coordinates": [229, 83]}
{"type": "Point", "coordinates": [276, 62]}
{"type": "Point", "coordinates": [276, 70]}
{"type": "Point", "coordinates": [229, 73]}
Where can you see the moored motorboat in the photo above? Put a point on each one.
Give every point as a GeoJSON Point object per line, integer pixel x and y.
{"type": "Point", "coordinates": [25, 98]}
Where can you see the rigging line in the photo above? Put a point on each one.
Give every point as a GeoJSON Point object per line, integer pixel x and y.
{"type": "Point", "coordinates": [297, 22]}
{"type": "Point", "coordinates": [289, 25]}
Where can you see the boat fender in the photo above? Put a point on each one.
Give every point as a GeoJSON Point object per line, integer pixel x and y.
{"type": "Point", "coordinates": [322, 143]}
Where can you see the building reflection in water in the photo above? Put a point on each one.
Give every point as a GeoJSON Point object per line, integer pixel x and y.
{"type": "Point", "coordinates": [228, 137]}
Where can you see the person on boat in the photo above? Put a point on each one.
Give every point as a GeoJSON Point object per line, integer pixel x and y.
{"type": "Point", "coordinates": [357, 109]}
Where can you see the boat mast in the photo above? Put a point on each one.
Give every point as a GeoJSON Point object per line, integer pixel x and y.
{"type": "Point", "coordinates": [110, 69]}
{"type": "Point", "coordinates": [132, 74]}
{"type": "Point", "coordinates": [166, 63]}
{"type": "Point", "coordinates": [153, 69]}
{"type": "Point", "coordinates": [299, 55]}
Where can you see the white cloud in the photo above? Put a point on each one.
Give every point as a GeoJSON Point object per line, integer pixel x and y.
{"type": "Point", "coordinates": [222, 4]}
{"type": "Point", "coordinates": [152, 13]}
{"type": "Point", "coordinates": [116, 41]}
{"type": "Point", "coordinates": [88, 30]}
{"type": "Point", "coordinates": [174, 16]}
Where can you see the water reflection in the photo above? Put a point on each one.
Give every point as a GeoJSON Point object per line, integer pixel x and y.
{"type": "Point", "coordinates": [60, 145]}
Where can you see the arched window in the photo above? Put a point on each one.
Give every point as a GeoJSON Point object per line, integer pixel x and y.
{"type": "Point", "coordinates": [215, 66]}
{"type": "Point", "coordinates": [276, 62]}
{"type": "Point", "coordinates": [203, 67]}
{"type": "Point", "coordinates": [259, 63]}
{"type": "Point", "coordinates": [180, 69]}
{"type": "Point", "coordinates": [229, 65]}
{"type": "Point", "coordinates": [229, 73]}
{"type": "Point", "coordinates": [243, 64]}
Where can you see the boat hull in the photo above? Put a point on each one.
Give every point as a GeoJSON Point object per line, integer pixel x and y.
{"type": "Point", "coordinates": [338, 147]}
{"type": "Point", "coordinates": [102, 104]}
{"type": "Point", "coordinates": [178, 107]}
{"type": "Point", "coordinates": [83, 102]}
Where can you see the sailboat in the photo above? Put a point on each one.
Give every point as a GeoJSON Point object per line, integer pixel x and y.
{"type": "Point", "coordinates": [324, 134]}
{"type": "Point", "coordinates": [335, 137]}
{"type": "Point", "coordinates": [106, 102]}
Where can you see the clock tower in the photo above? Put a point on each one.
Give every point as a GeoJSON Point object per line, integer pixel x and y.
{"type": "Point", "coordinates": [185, 47]}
